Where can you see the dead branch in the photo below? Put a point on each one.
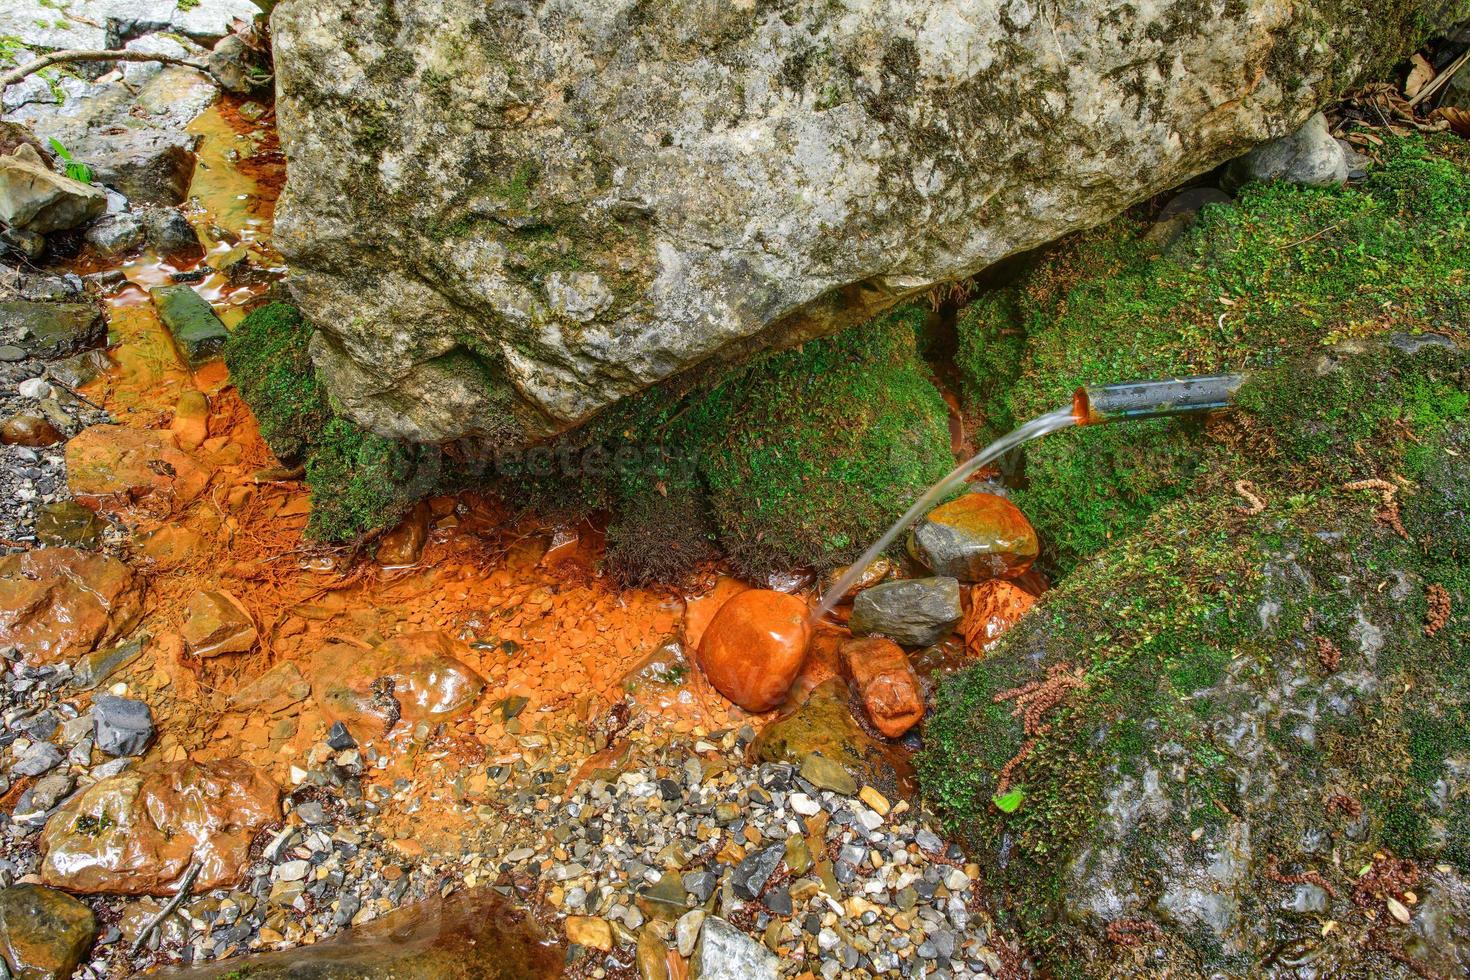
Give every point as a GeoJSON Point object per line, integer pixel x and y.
{"type": "Point", "coordinates": [72, 56]}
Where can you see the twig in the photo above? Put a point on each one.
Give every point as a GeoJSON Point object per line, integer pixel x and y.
{"type": "Point", "coordinates": [61, 57]}
{"type": "Point", "coordinates": [195, 866]}
{"type": "Point", "coordinates": [1438, 81]}
{"type": "Point", "coordinates": [1332, 227]}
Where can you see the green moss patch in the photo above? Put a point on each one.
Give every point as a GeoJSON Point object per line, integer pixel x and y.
{"type": "Point", "coordinates": [359, 482]}
{"type": "Point", "coordinates": [1282, 270]}
{"type": "Point", "coordinates": [1244, 667]}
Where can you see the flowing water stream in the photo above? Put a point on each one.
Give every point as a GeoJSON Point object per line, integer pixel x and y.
{"type": "Point", "coordinates": [1035, 429]}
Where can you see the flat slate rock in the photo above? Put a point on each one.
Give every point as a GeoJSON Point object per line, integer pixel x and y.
{"type": "Point", "coordinates": [199, 335]}
{"type": "Point", "coordinates": [51, 330]}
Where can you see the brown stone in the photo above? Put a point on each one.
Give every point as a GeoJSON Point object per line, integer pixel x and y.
{"type": "Point", "coordinates": [171, 545]}
{"type": "Point", "coordinates": [191, 419]}
{"type": "Point", "coordinates": [29, 430]}
{"type": "Point", "coordinates": [404, 544]}
{"type": "Point", "coordinates": [754, 647]}
{"type": "Point", "coordinates": [995, 607]}
{"type": "Point", "coordinates": [57, 604]}
{"type": "Point", "coordinates": [218, 623]}
{"type": "Point", "coordinates": [823, 725]}
{"type": "Point", "coordinates": [44, 934]}
{"type": "Point", "coordinates": [415, 677]}
{"type": "Point", "coordinates": [880, 672]}
{"type": "Point", "coordinates": [109, 467]}
{"type": "Point", "coordinates": [876, 571]}
{"type": "Point", "coordinates": [135, 833]}
{"type": "Point", "coordinates": [975, 537]}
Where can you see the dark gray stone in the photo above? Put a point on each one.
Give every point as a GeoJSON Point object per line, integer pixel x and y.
{"type": "Point", "coordinates": [38, 759]}
{"type": "Point", "coordinates": [170, 233]}
{"type": "Point", "coordinates": [913, 612]}
{"type": "Point", "coordinates": [52, 330]}
{"type": "Point", "coordinates": [122, 726]}
{"type": "Point", "coordinates": [339, 738]}
{"type": "Point", "coordinates": [750, 875]}
{"type": "Point", "coordinates": [147, 167]}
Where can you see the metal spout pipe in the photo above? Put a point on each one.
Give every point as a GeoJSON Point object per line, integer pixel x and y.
{"type": "Point", "coordinates": [1153, 399]}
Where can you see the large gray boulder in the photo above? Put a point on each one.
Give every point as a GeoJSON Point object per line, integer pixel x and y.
{"type": "Point", "coordinates": [504, 217]}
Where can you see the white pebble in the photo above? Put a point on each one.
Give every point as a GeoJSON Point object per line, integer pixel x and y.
{"type": "Point", "coordinates": [34, 388]}
{"type": "Point", "coordinates": [805, 805]}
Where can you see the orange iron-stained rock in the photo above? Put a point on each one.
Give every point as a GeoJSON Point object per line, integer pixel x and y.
{"type": "Point", "coordinates": [136, 833]}
{"type": "Point", "coordinates": [995, 607]}
{"type": "Point", "coordinates": [976, 537]}
{"type": "Point", "coordinates": [218, 623]}
{"type": "Point", "coordinates": [415, 677]}
{"type": "Point", "coordinates": [889, 688]}
{"type": "Point", "coordinates": [59, 603]}
{"type": "Point", "coordinates": [754, 647]}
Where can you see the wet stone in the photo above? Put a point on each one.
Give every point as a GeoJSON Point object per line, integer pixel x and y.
{"type": "Point", "coordinates": [44, 934]}
{"type": "Point", "coordinates": [29, 430]}
{"type": "Point", "coordinates": [199, 335]}
{"type": "Point", "coordinates": [913, 612]}
{"type": "Point", "coordinates": [754, 646]}
{"type": "Point", "coordinates": [52, 330]}
{"type": "Point", "coordinates": [218, 623]}
{"type": "Point", "coordinates": [975, 537]}
{"type": "Point", "coordinates": [750, 876]}
{"type": "Point", "coordinates": [726, 953]}
{"type": "Point", "coordinates": [123, 726]}
{"type": "Point", "coordinates": [68, 523]}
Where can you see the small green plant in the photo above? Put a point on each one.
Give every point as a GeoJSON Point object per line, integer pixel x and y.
{"type": "Point", "coordinates": [74, 169]}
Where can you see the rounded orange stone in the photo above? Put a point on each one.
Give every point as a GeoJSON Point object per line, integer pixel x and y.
{"type": "Point", "coordinates": [754, 647]}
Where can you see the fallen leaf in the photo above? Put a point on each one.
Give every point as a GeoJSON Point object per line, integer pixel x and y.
{"type": "Point", "coordinates": [1008, 802]}
{"type": "Point", "coordinates": [1397, 910]}
{"type": "Point", "coordinates": [1329, 926]}
{"type": "Point", "coordinates": [1459, 119]}
{"type": "Point", "coordinates": [1419, 75]}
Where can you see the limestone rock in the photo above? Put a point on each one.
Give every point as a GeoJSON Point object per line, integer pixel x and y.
{"type": "Point", "coordinates": [116, 234]}
{"type": "Point", "coordinates": [34, 198]}
{"type": "Point", "coordinates": [1308, 156]}
{"type": "Point", "coordinates": [134, 833]}
{"type": "Point", "coordinates": [415, 677]}
{"type": "Point", "coordinates": [890, 690]}
{"type": "Point", "coordinates": [561, 205]}
{"type": "Point", "coordinates": [109, 467]}
{"type": "Point", "coordinates": [753, 648]}
{"type": "Point", "coordinates": [44, 934]}
{"type": "Point", "coordinates": [146, 167]}
{"type": "Point", "coordinates": [59, 603]}
{"type": "Point", "coordinates": [975, 537]}
{"type": "Point", "coordinates": [218, 623]}
{"type": "Point", "coordinates": [915, 612]}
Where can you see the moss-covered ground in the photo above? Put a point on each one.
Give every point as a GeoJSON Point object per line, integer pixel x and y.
{"type": "Point", "coordinates": [360, 482]}
{"type": "Point", "coordinates": [1208, 627]}
{"type": "Point", "coordinates": [1282, 270]}
{"type": "Point", "coordinates": [798, 458]}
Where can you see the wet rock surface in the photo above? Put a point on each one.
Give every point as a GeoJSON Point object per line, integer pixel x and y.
{"type": "Point", "coordinates": [414, 678]}
{"type": "Point", "coordinates": [136, 833]}
{"type": "Point", "coordinates": [110, 467]}
{"type": "Point", "coordinates": [59, 603]}
{"type": "Point", "coordinates": [880, 673]}
{"type": "Point", "coordinates": [976, 537]}
{"type": "Point", "coordinates": [754, 647]}
{"type": "Point", "coordinates": [218, 624]}
{"type": "Point", "coordinates": [44, 934]}
{"type": "Point", "coordinates": [913, 612]}
{"type": "Point", "coordinates": [471, 935]}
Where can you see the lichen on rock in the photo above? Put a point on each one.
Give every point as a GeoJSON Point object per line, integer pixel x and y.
{"type": "Point", "coordinates": [503, 220]}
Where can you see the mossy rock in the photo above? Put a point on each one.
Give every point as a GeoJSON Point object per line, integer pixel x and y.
{"type": "Point", "coordinates": [359, 482]}
{"type": "Point", "coordinates": [799, 458]}
{"type": "Point", "coordinates": [1281, 271]}
{"type": "Point", "coordinates": [1262, 699]}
